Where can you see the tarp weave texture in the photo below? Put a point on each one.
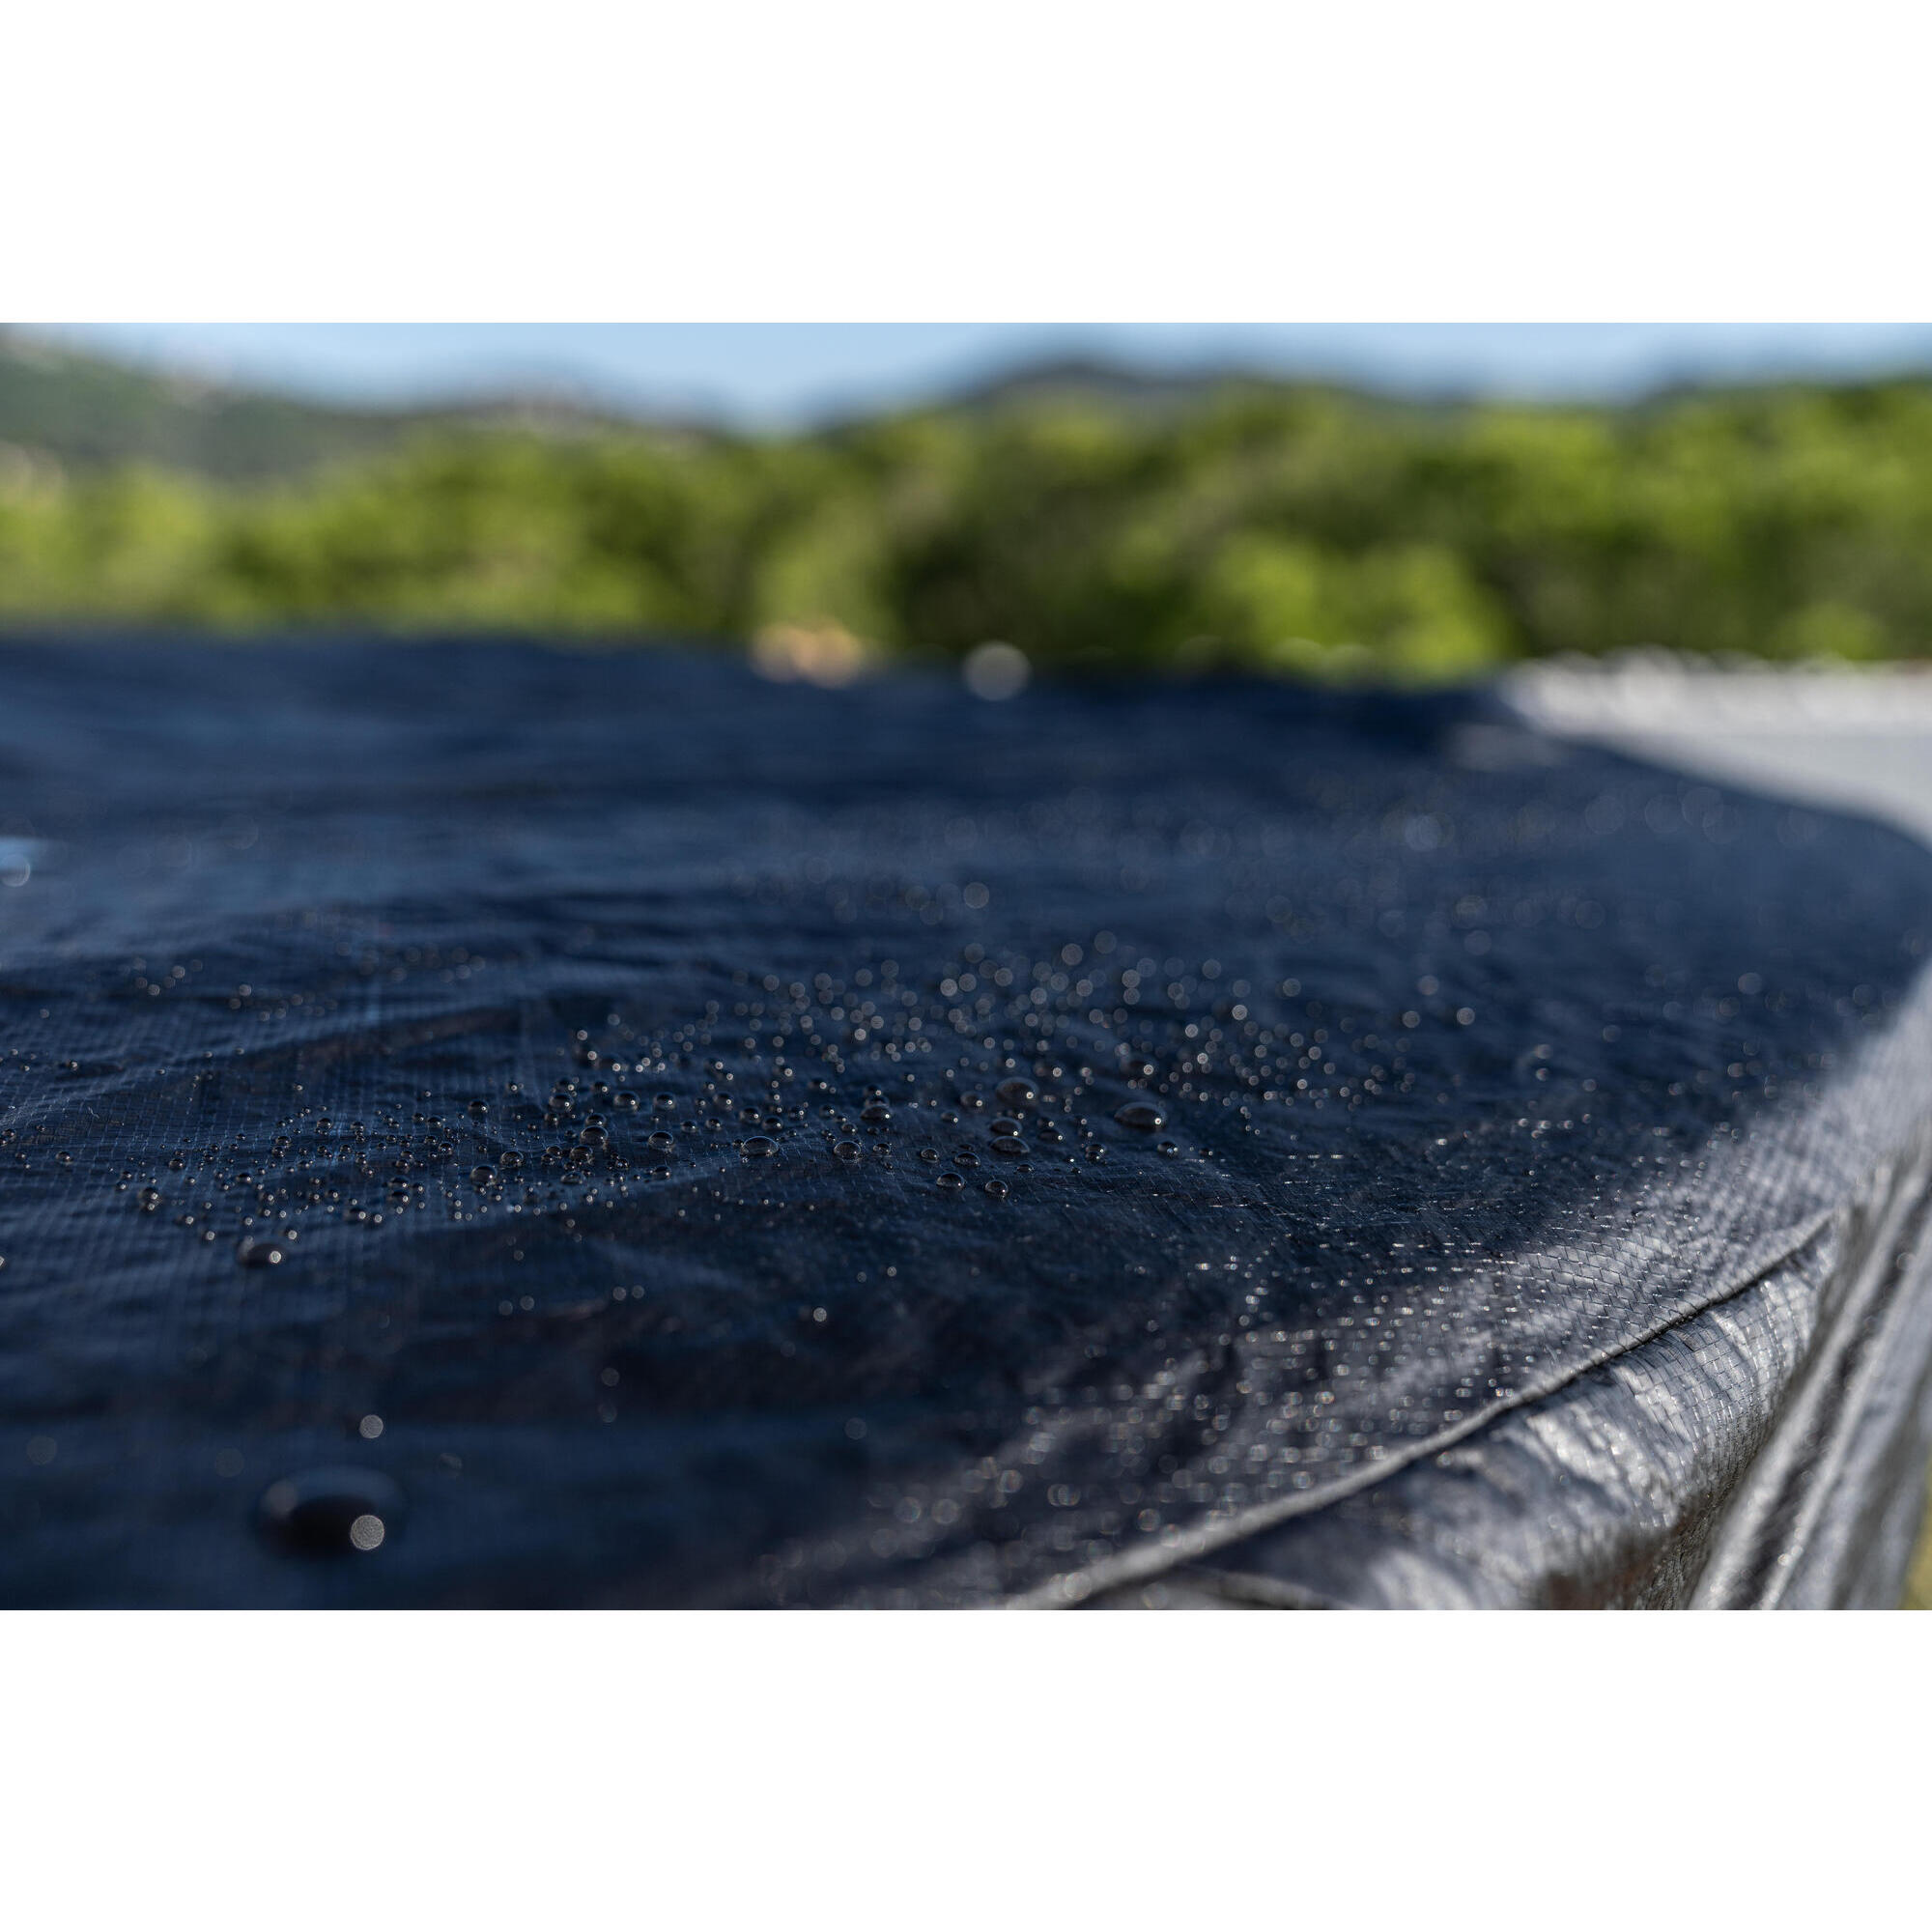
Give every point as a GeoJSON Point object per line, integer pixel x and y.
{"type": "Point", "coordinates": [487, 1124]}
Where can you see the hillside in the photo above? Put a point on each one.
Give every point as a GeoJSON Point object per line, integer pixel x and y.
{"type": "Point", "coordinates": [90, 412]}
{"type": "Point", "coordinates": [1097, 521]}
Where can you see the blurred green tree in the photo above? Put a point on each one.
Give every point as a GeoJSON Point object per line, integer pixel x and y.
{"type": "Point", "coordinates": [1288, 530]}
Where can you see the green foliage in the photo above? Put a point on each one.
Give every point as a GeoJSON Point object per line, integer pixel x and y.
{"type": "Point", "coordinates": [1299, 530]}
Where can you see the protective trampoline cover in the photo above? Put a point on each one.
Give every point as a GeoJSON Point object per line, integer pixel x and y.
{"type": "Point", "coordinates": [485, 1124]}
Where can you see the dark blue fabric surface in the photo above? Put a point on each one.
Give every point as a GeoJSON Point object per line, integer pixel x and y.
{"type": "Point", "coordinates": [1479, 1059]}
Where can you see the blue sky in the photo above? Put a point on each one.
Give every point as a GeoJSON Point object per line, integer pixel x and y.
{"type": "Point", "coordinates": [782, 374]}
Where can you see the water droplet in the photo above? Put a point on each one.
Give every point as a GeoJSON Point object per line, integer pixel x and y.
{"type": "Point", "coordinates": [483, 1176]}
{"type": "Point", "coordinates": [1008, 1146]}
{"type": "Point", "coordinates": [951, 1182]}
{"type": "Point", "coordinates": [997, 1189]}
{"type": "Point", "coordinates": [332, 1512]}
{"type": "Point", "coordinates": [995, 671]}
{"type": "Point", "coordinates": [846, 1150]}
{"type": "Point", "coordinates": [257, 1253]}
{"type": "Point", "coordinates": [1015, 1092]}
{"type": "Point", "coordinates": [1097, 1152]}
{"type": "Point", "coordinates": [624, 1101]}
{"type": "Point", "coordinates": [479, 1108]}
{"type": "Point", "coordinates": [877, 1115]}
{"type": "Point", "coordinates": [1169, 1147]}
{"type": "Point", "coordinates": [1141, 1115]}
{"type": "Point", "coordinates": [759, 1146]}
{"type": "Point", "coordinates": [150, 1199]}
{"type": "Point", "coordinates": [1002, 1127]}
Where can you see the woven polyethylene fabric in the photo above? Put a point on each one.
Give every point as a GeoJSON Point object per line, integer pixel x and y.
{"type": "Point", "coordinates": [485, 1124]}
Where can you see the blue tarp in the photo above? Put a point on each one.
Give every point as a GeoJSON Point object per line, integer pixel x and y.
{"type": "Point", "coordinates": [488, 1124]}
